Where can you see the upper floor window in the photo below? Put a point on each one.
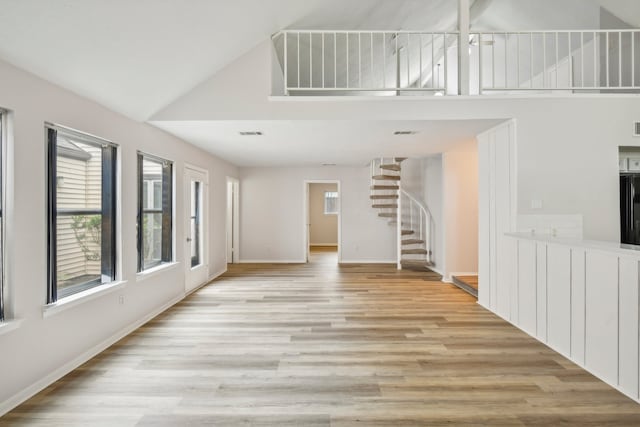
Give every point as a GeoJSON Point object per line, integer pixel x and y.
{"type": "Point", "coordinates": [155, 211]}
{"type": "Point", "coordinates": [330, 202]}
{"type": "Point", "coordinates": [81, 212]}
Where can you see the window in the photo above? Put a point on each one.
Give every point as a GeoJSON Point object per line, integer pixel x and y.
{"type": "Point", "coordinates": [330, 202]}
{"type": "Point", "coordinates": [81, 212]}
{"type": "Point", "coordinates": [195, 222]}
{"type": "Point", "coordinates": [155, 211]}
{"type": "Point", "coordinates": [2, 136]}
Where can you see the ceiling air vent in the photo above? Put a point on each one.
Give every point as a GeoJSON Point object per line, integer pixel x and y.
{"type": "Point", "coordinates": [251, 133]}
{"type": "Point", "coordinates": [636, 129]}
{"type": "Point", "coordinates": [405, 132]}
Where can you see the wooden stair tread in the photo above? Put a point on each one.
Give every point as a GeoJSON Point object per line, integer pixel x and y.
{"type": "Point", "coordinates": [407, 232]}
{"type": "Point", "coordinates": [384, 206]}
{"type": "Point", "coordinates": [388, 214]}
{"type": "Point", "coordinates": [412, 242]}
{"type": "Point", "coordinates": [386, 177]}
{"type": "Point", "coordinates": [391, 167]}
{"type": "Point", "coordinates": [415, 252]}
{"type": "Point", "coordinates": [385, 187]}
{"type": "Point", "coordinates": [384, 196]}
{"type": "Point", "coordinates": [399, 159]}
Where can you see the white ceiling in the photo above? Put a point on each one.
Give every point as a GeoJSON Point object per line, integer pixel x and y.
{"type": "Point", "coordinates": [137, 56]}
{"type": "Point", "coordinates": [312, 143]}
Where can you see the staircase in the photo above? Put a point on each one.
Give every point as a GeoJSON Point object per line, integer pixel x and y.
{"type": "Point", "coordinates": [411, 218]}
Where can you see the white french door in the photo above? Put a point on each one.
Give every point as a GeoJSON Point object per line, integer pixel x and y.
{"type": "Point", "coordinates": [196, 227]}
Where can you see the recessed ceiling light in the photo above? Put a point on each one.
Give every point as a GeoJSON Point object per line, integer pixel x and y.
{"type": "Point", "coordinates": [405, 132]}
{"type": "Point", "coordinates": [251, 133]}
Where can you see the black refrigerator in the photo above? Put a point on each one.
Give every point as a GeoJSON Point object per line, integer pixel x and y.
{"type": "Point", "coordinates": [630, 208]}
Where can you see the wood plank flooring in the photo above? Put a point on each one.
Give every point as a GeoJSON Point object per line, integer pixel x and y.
{"type": "Point", "coordinates": [322, 345]}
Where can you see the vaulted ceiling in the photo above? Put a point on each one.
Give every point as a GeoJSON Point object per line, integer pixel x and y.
{"type": "Point", "coordinates": [136, 57]}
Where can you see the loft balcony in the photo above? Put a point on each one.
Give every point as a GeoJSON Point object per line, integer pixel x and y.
{"type": "Point", "coordinates": [426, 63]}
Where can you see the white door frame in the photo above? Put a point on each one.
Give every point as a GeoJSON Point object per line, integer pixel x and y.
{"type": "Point", "coordinates": [233, 220]}
{"type": "Point", "coordinates": [205, 225]}
{"type": "Point", "coordinates": [305, 218]}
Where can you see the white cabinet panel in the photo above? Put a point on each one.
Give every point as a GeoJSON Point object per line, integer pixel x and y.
{"type": "Point", "coordinates": [484, 225]}
{"type": "Point", "coordinates": [527, 286]}
{"type": "Point", "coordinates": [628, 320]}
{"type": "Point", "coordinates": [577, 304]}
{"type": "Point", "coordinates": [504, 251]}
{"type": "Point", "coordinates": [541, 291]}
{"type": "Point", "coordinates": [601, 346]}
{"type": "Point", "coordinates": [559, 298]}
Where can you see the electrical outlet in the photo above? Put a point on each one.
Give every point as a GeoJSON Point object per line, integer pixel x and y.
{"type": "Point", "coordinates": [121, 300]}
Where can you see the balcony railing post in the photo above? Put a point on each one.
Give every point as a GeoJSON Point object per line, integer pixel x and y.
{"type": "Point", "coordinates": [463, 48]}
{"type": "Point", "coordinates": [286, 65]}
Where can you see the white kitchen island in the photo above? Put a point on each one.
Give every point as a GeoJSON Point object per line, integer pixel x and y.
{"type": "Point", "coordinates": [579, 297]}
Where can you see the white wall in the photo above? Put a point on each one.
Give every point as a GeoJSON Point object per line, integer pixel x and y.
{"type": "Point", "coordinates": [460, 210]}
{"type": "Point", "coordinates": [42, 349]}
{"type": "Point", "coordinates": [323, 228]}
{"type": "Point", "coordinates": [567, 145]}
{"type": "Point", "coordinates": [433, 197]}
{"type": "Point", "coordinates": [272, 215]}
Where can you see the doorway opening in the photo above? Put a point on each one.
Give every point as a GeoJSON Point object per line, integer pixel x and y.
{"type": "Point", "coordinates": [233, 224]}
{"type": "Point", "coordinates": [322, 222]}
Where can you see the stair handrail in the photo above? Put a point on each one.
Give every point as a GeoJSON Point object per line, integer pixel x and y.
{"type": "Point", "coordinates": [425, 213]}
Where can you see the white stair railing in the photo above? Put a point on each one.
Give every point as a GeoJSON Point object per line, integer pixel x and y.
{"type": "Point", "coordinates": [418, 218]}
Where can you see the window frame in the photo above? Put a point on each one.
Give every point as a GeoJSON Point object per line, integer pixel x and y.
{"type": "Point", "coordinates": [3, 133]}
{"type": "Point", "coordinates": [167, 210]}
{"type": "Point", "coordinates": [108, 211]}
{"type": "Point", "coordinates": [326, 198]}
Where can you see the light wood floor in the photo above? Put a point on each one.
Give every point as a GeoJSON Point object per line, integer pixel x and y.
{"type": "Point", "coordinates": [320, 345]}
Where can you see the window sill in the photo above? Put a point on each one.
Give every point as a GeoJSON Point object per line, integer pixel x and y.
{"type": "Point", "coordinates": [81, 297]}
{"type": "Point", "coordinates": [9, 325]}
{"type": "Point", "coordinates": [154, 271]}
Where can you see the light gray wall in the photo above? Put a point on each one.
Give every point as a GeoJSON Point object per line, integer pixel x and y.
{"type": "Point", "coordinates": [71, 336]}
{"type": "Point", "coordinates": [272, 215]}
{"type": "Point", "coordinates": [460, 211]}
{"type": "Point", "coordinates": [323, 229]}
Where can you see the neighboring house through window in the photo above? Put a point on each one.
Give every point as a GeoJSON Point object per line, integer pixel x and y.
{"type": "Point", "coordinates": [81, 212]}
{"type": "Point", "coordinates": [155, 211]}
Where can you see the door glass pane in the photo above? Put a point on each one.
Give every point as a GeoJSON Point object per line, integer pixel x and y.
{"type": "Point", "coordinates": [195, 223]}
{"type": "Point", "coordinates": [79, 213]}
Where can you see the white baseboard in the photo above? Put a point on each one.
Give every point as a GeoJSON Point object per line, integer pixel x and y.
{"type": "Point", "coordinates": [63, 370]}
{"type": "Point", "coordinates": [209, 280]}
{"type": "Point", "coordinates": [436, 270]}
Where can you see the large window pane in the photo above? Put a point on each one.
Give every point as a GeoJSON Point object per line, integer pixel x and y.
{"type": "Point", "coordinates": [79, 213]}
{"type": "Point", "coordinates": [195, 222]}
{"type": "Point", "coordinates": [82, 213]}
{"type": "Point", "coordinates": [154, 211]}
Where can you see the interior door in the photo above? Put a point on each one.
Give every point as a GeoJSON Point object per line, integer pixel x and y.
{"type": "Point", "coordinates": [196, 228]}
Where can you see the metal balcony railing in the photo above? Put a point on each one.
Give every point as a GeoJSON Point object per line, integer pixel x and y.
{"type": "Point", "coordinates": [367, 61]}
{"type": "Point", "coordinates": [427, 63]}
{"type": "Point", "coordinates": [600, 60]}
